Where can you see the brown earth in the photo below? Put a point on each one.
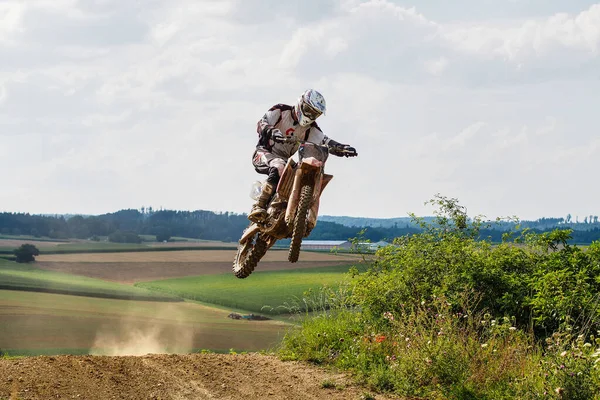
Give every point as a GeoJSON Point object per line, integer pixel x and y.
{"type": "Point", "coordinates": [132, 272]}
{"type": "Point", "coordinates": [132, 267]}
{"type": "Point", "coordinates": [186, 256]}
{"type": "Point", "coordinates": [192, 376]}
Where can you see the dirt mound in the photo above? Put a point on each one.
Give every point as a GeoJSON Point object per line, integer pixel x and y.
{"type": "Point", "coordinates": [193, 376]}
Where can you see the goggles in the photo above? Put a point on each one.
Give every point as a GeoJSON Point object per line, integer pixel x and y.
{"type": "Point", "coordinates": [309, 111]}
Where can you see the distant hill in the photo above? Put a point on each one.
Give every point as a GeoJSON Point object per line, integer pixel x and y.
{"type": "Point", "coordinates": [368, 222]}
{"type": "Point", "coordinates": [126, 225]}
{"type": "Point", "coordinates": [544, 223]}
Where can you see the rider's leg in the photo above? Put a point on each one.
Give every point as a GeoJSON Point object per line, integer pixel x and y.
{"type": "Point", "coordinates": [259, 209]}
{"type": "Point", "coordinates": [266, 163]}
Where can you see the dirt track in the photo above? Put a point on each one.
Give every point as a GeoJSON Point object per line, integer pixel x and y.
{"type": "Point", "coordinates": [196, 376]}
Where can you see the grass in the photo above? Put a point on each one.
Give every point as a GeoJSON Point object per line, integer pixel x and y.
{"type": "Point", "coordinates": [26, 277]}
{"type": "Point", "coordinates": [263, 292]}
{"type": "Point", "coordinates": [49, 324]}
{"type": "Point", "coordinates": [436, 352]}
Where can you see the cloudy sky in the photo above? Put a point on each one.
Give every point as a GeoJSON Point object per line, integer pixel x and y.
{"type": "Point", "coordinates": [112, 104]}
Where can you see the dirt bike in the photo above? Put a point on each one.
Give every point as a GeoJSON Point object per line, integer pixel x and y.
{"type": "Point", "coordinates": [292, 212]}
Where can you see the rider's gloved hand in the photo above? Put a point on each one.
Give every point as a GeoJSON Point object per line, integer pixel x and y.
{"type": "Point", "coordinates": [336, 149]}
{"type": "Point", "coordinates": [342, 150]}
{"type": "Point", "coordinates": [277, 136]}
{"type": "Point", "coordinates": [349, 151]}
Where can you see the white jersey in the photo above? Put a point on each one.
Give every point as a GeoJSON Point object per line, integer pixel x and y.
{"type": "Point", "coordinates": [281, 116]}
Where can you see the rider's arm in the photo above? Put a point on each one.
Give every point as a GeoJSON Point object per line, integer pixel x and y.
{"type": "Point", "coordinates": [338, 149]}
{"type": "Point", "coordinates": [266, 124]}
{"type": "Point", "coordinates": [316, 135]}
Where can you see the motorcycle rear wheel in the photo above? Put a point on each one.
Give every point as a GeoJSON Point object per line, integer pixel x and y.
{"type": "Point", "coordinates": [300, 223]}
{"type": "Point", "coordinates": [248, 256]}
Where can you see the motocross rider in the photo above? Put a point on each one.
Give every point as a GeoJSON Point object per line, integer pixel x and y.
{"type": "Point", "coordinates": [272, 151]}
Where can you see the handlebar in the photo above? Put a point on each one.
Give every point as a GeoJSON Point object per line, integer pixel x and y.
{"type": "Point", "coordinates": [341, 151]}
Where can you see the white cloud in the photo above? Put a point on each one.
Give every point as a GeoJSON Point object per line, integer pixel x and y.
{"type": "Point", "coordinates": [121, 105]}
{"type": "Point", "coordinates": [11, 15]}
{"type": "Point", "coordinates": [437, 67]}
{"type": "Point", "coordinates": [533, 38]}
{"type": "Point", "coordinates": [463, 137]}
{"type": "Point", "coordinates": [3, 94]}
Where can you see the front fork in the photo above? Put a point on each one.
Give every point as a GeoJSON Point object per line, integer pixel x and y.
{"type": "Point", "coordinates": [300, 179]}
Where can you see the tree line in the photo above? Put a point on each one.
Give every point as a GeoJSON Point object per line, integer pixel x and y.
{"type": "Point", "coordinates": [126, 225]}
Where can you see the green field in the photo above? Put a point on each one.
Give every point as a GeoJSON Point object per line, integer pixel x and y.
{"type": "Point", "coordinates": [49, 312]}
{"type": "Point", "coordinates": [43, 323]}
{"type": "Point", "coordinates": [25, 277]}
{"type": "Point", "coordinates": [263, 292]}
{"type": "Point", "coordinates": [49, 246]}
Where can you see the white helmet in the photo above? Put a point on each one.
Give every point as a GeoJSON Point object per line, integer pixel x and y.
{"type": "Point", "coordinates": [309, 107]}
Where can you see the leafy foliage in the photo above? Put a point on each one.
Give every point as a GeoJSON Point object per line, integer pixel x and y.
{"type": "Point", "coordinates": [539, 279]}
{"type": "Point", "coordinates": [26, 253]}
{"type": "Point", "coordinates": [444, 314]}
{"type": "Point", "coordinates": [163, 234]}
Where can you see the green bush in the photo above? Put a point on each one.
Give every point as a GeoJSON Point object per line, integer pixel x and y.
{"type": "Point", "coordinates": [565, 289]}
{"type": "Point", "coordinates": [539, 279]}
{"type": "Point", "coordinates": [26, 253]}
{"type": "Point", "coordinates": [446, 314]}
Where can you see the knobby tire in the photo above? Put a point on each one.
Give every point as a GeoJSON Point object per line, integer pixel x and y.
{"type": "Point", "coordinates": [243, 265]}
{"type": "Point", "coordinates": [300, 222]}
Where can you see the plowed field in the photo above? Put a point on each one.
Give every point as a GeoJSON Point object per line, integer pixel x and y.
{"type": "Point", "coordinates": [134, 267]}
{"type": "Point", "coordinates": [186, 256]}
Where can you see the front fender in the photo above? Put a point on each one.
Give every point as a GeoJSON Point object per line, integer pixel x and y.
{"type": "Point", "coordinates": [249, 233]}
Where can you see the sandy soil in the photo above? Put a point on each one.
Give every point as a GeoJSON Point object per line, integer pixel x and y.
{"type": "Point", "coordinates": [197, 376]}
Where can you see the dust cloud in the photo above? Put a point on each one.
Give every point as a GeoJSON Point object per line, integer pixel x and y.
{"type": "Point", "coordinates": [165, 333]}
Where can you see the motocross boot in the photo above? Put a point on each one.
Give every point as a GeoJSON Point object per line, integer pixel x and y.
{"type": "Point", "coordinates": [259, 209]}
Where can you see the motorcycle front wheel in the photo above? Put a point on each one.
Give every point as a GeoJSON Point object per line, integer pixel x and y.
{"type": "Point", "coordinates": [300, 223]}
{"type": "Point", "coordinates": [248, 255]}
